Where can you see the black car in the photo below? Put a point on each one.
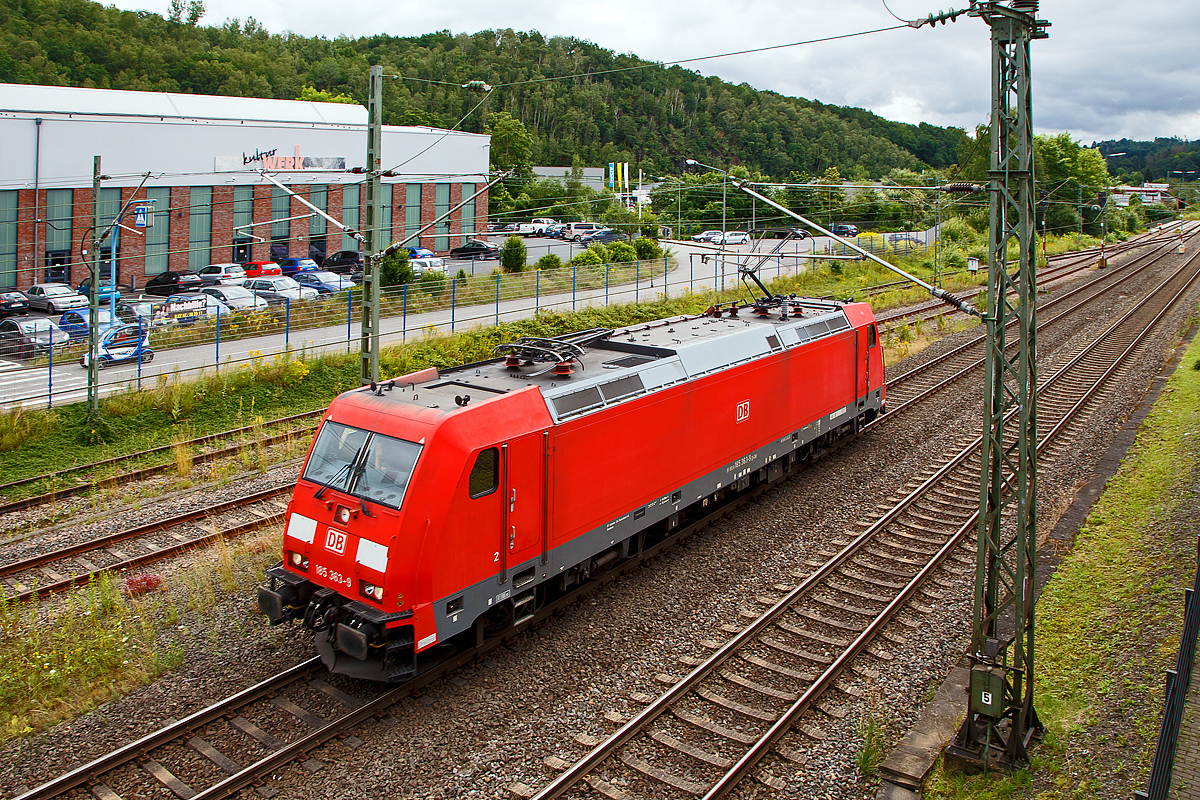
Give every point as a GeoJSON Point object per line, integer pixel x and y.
{"type": "Point", "coordinates": [26, 338]}
{"type": "Point", "coordinates": [169, 283]}
{"type": "Point", "coordinates": [475, 249]}
{"type": "Point", "coordinates": [344, 261]}
{"type": "Point", "coordinates": [605, 236]}
{"type": "Point", "coordinates": [13, 303]}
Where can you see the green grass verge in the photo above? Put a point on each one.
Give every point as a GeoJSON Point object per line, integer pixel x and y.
{"type": "Point", "coordinates": [1109, 620]}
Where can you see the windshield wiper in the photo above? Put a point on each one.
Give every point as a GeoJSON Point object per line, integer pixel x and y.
{"type": "Point", "coordinates": [345, 468]}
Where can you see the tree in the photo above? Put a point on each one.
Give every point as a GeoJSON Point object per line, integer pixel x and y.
{"type": "Point", "coordinates": [512, 144]}
{"type": "Point", "coordinates": [513, 254]}
{"type": "Point", "coordinates": [310, 94]}
{"type": "Point", "coordinates": [395, 270]}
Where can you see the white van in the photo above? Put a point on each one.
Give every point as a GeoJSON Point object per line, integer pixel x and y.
{"type": "Point", "coordinates": [577, 230]}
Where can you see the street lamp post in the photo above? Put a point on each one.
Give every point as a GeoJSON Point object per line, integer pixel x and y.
{"type": "Point", "coordinates": [1104, 211]}
{"type": "Point", "coordinates": [691, 162]}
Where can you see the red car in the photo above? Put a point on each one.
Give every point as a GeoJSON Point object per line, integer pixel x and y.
{"type": "Point", "coordinates": [261, 269]}
{"type": "Point", "coordinates": [444, 503]}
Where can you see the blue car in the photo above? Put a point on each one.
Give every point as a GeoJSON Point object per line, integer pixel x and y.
{"type": "Point", "coordinates": [76, 323]}
{"type": "Point", "coordinates": [121, 344]}
{"type": "Point", "coordinates": [419, 252]}
{"type": "Point", "coordinates": [291, 266]}
{"type": "Point", "coordinates": [324, 282]}
{"type": "Point", "coordinates": [106, 288]}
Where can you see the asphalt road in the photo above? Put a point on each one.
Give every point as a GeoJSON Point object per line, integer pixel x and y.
{"type": "Point", "coordinates": [698, 267]}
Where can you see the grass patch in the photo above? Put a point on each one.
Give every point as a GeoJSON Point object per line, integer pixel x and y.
{"type": "Point", "coordinates": [1109, 621]}
{"type": "Point", "coordinates": [62, 658]}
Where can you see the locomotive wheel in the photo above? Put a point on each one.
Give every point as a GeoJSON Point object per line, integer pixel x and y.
{"type": "Point", "coordinates": [497, 619]}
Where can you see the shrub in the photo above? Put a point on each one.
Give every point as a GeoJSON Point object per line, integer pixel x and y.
{"type": "Point", "coordinates": [619, 252]}
{"type": "Point", "coordinates": [513, 255]}
{"type": "Point", "coordinates": [433, 283]}
{"type": "Point", "coordinates": [589, 256]}
{"type": "Point", "coordinates": [647, 248]}
{"type": "Point", "coordinates": [395, 269]}
{"type": "Point", "coordinates": [549, 261]}
{"type": "Point", "coordinates": [140, 584]}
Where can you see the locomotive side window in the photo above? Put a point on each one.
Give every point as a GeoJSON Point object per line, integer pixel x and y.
{"type": "Point", "coordinates": [485, 473]}
{"type": "Point", "coordinates": [872, 336]}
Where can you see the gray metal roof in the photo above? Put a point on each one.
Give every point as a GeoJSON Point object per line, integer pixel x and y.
{"type": "Point", "coordinates": [64, 100]}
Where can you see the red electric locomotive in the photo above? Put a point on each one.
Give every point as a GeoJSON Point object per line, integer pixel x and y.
{"type": "Point", "coordinates": [440, 504]}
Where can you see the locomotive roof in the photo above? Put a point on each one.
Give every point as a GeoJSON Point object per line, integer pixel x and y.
{"type": "Point", "coordinates": [633, 361]}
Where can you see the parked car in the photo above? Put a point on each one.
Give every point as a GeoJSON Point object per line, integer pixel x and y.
{"type": "Point", "coordinates": [12, 304]}
{"type": "Point", "coordinates": [733, 237]}
{"type": "Point", "coordinates": [223, 275]}
{"type": "Point", "coordinates": [604, 236]}
{"type": "Point", "coordinates": [475, 249]}
{"type": "Point", "coordinates": [419, 252]}
{"type": "Point", "coordinates": [541, 224]}
{"type": "Point", "coordinates": [906, 239]}
{"type": "Point", "coordinates": [106, 290]}
{"type": "Point", "coordinates": [280, 289]}
{"type": "Point", "coordinates": [493, 227]}
{"type": "Point", "coordinates": [707, 236]}
{"type": "Point", "coordinates": [845, 231]}
{"type": "Point", "coordinates": [27, 338]}
{"type": "Point", "coordinates": [556, 231]}
{"type": "Point", "coordinates": [324, 282]}
{"type": "Point", "coordinates": [344, 261]}
{"type": "Point", "coordinates": [191, 306]}
{"type": "Point", "coordinates": [782, 233]}
{"type": "Point", "coordinates": [53, 298]}
{"type": "Point", "coordinates": [260, 269]}
{"type": "Point", "coordinates": [238, 298]}
{"type": "Point", "coordinates": [577, 230]}
{"type": "Point", "coordinates": [166, 284]}
{"type": "Point", "coordinates": [124, 343]}
{"type": "Point", "coordinates": [290, 266]}
{"type": "Point", "coordinates": [434, 265]}
{"type": "Point", "coordinates": [77, 322]}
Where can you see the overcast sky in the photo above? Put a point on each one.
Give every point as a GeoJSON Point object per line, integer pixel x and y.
{"type": "Point", "coordinates": [1109, 69]}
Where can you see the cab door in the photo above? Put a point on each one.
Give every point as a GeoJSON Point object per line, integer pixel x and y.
{"type": "Point", "coordinates": [524, 464]}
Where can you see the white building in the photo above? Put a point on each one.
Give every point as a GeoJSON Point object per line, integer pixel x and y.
{"type": "Point", "coordinates": [203, 153]}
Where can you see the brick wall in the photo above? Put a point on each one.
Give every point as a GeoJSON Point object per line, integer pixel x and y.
{"type": "Point", "coordinates": [456, 197]}
{"type": "Point", "coordinates": [481, 216]}
{"type": "Point", "coordinates": [132, 248]}
{"type": "Point", "coordinates": [428, 212]}
{"type": "Point", "coordinates": [222, 225]}
{"type": "Point", "coordinates": [177, 243]}
{"type": "Point", "coordinates": [333, 207]}
{"type": "Point", "coordinates": [29, 262]}
{"type": "Point", "coordinates": [299, 243]}
{"type": "Point", "coordinates": [261, 251]}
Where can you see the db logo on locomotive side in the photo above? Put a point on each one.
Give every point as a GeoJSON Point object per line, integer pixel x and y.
{"type": "Point", "coordinates": [336, 542]}
{"type": "Point", "coordinates": [743, 411]}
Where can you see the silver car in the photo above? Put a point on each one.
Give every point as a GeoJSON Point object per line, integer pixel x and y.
{"type": "Point", "coordinates": [223, 275]}
{"type": "Point", "coordinates": [239, 298]}
{"type": "Point", "coordinates": [280, 289]}
{"type": "Point", "coordinates": [54, 298]}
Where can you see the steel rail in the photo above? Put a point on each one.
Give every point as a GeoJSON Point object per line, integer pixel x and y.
{"type": "Point", "coordinates": [656, 708]}
{"type": "Point", "coordinates": [33, 562]}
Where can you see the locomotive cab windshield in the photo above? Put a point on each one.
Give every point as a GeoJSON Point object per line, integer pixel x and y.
{"type": "Point", "coordinates": [362, 464]}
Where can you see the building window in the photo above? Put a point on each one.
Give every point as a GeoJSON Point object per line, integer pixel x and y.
{"type": "Point", "coordinates": [108, 206]}
{"type": "Point", "coordinates": [281, 232]}
{"type": "Point", "coordinates": [350, 215]}
{"type": "Point", "coordinates": [441, 206]}
{"type": "Point", "coordinates": [468, 212]}
{"type": "Point", "coordinates": [243, 216]}
{"type": "Point", "coordinates": [317, 225]}
{"type": "Point", "coordinates": [200, 227]}
{"type": "Point", "coordinates": [59, 204]}
{"type": "Point", "coordinates": [158, 237]}
{"type": "Point", "coordinates": [412, 211]}
{"type": "Point", "coordinates": [8, 239]}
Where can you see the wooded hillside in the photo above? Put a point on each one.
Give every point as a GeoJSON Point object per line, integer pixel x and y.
{"type": "Point", "coordinates": [651, 116]}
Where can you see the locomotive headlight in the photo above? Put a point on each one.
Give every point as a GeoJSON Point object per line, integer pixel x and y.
{"type": "Point", "coordinates": [344, 515]}
{"type": "Point", "coordinates": [372, 591]}
{"type": "Point", "coordinates": [298, 560]}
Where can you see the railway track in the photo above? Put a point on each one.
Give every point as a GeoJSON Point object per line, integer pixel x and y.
{"type": "Point", "coordinates": [77, 564]}
{"type": "Point", "coordinates": [737, 712]}
{"type": "Point", "coordinates": [86, 477]}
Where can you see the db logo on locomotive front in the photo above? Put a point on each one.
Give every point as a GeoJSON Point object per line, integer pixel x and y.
{"type": "Point", "coordinates": [743, 411]}
{"type": "Point", "coordinates": [335, 541]}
